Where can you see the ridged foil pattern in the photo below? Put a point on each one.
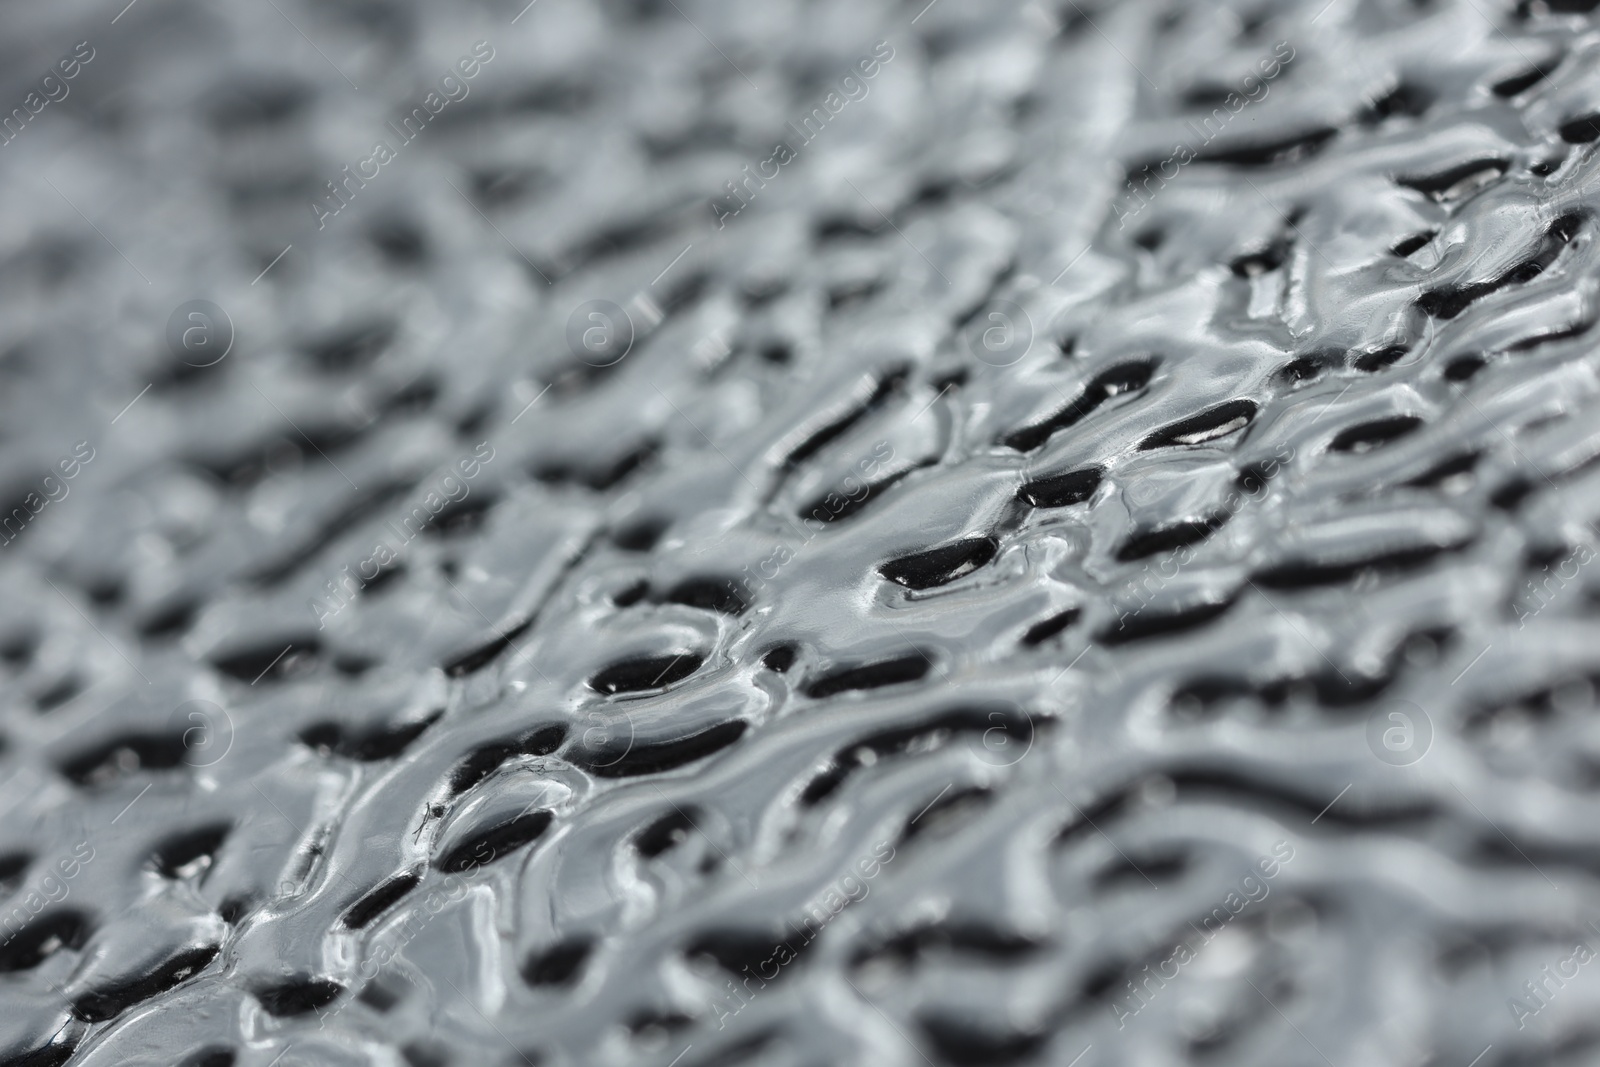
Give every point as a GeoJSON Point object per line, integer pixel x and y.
{"type": "Point", "coordinates": [799, 533]}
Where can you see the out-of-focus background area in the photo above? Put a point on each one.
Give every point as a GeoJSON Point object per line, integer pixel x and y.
{"type": "Point", "coordinates": [689, 533]}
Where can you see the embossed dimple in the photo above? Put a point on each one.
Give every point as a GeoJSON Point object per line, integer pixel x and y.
{"type": "Point", "coordinates": [1291, 148]}
{"type": "Point", "coordinates": [1143, 625]}
{"type": "Point", "coordinates": [737, 951]}
{"type": "Point", "coordinates": [1406, 99]}
{"type": "Point", "coordinates": [381, 898]}
{"type": "Point", "coordinates": [712, 594]}
{"type": "Point", "coordinates": [1061, 490]}
{"type": "Point", "coordinates": [485, 759]}
{"type": "Point", "coordinates": [269, 660]}
{"type": "Point", "coordinates": [1366, 436]}
{"type": "Point", "coordinates": [603, 475]}
{"type": "Point", "coordinates": [645, 673]}
{"type": "Point", "coordinates": [1376, 359]}
{"type": "Point", "coordinates": [42, 937]}
{"type": "Point", "coordinates": [1124, 378]}
{"type": "Point", "coordinates": [1447, 303]}
{"type": "Point", "coordinates": [170, 621]}
{"type": "Point", "coordinates": [1454, 182]}
{"type": "Point", "coordinates": [210, 1056]}
{"type": "Point", "coordinates": [125, 755]}
{"type": "Point", "coordinates": [825, 508]}
{"type": "Point", "coordinates": [369, 743]}
{"type": "Point", "coordinates": [1267, 258]}
{"type": "Point", "coordinates": [349, 348]}
{"type": "Point", "coordinates": [780, 659]}
{"type": "Point", "coordinates": [189, 852]}
{"type": "Point", "coordinates": [661, 756]}
{"type": "Point", "coordinates": [995, 728]}
{"type": "Point", "coordinates": [931, 939]}
{"type": "Point", "coordinates": [476, 659]}
{"type": "Point", "coordinates": [666, 832]}
{"type": "Point", "coordinates": [1208, 425]}
{"type": "Point", "coordinates": [12, 867]}
{"type": "Point", "coordinates": [1581, 130]}
{"type": "Point", "coordinates": [942, 565]}
{"type": "Point", "coordinates": [558, 965]}
{"type": "Point", "coordinates": [1522, 81]}
{"type": "Point", "coordinates": [1415, 242]}
{"type": "Point", "coordinates": [869, 675]}
{"type": "Point", "coordinates": [640, 535]}
{"type": "Point", "coordinates": [495, 841]}
{"type": "Point", "coordinates": [1145, 543]}
{"type": "Point", "coordinates": [18, 648]}
{"type": "Point", "coordinates": [250, 104]}
{"type": "Point", "coordinates": [479, 764]}
{"type": "Point", "coordinates": [968, 1044]}
{"type": "Point", "coordinates": [58, 694]}
{"type": "Point", "coordinates": [883, 386]}
{"type": "Point", "coordinates": [298, 995]}
{"type": "Point", "coordinates": [107, 1002]}
{"type": "Point", "coordinates": [1309, 573]}
{"type": "Point", "coordinates": [1451, 467]}
{"type": "Point", "coordinates": [1045, 629]}
{"type": "Point", "coordinates": [401, 240]}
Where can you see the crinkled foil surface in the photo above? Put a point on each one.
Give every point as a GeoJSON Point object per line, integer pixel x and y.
{"type": "Point", "coordinates": [618, 532]}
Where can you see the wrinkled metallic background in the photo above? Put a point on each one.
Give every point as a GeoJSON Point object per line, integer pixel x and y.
{"type": "Point", "coordinates": [1196, 663]}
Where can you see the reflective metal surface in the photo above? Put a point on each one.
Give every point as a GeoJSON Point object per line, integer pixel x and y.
{"type": "Point", "coordinates": [802, 533]}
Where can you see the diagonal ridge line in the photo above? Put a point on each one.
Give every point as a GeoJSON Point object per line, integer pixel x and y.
{"type": "Point", "coordinates": [1069, 266]}
{"type": "Point", "coordinates": [274, 263]}
{"type": "Point", "coordinates": [509, 243]}
{"type": "Point", "coordinates": [1071, 665]}
{"type": "Point", "coordinates": [1331, 803]}
{"type": "Point", "coordinates": [930, 804]}
{"type": "Point", "coordinates": [897, 229]}
{"type": "Point", "coordinates": [1474, 663]}
{"type": "Point", "coordinates": [930, 403]}
{"type": "Point", "coordinates": [313, 44]}
{"type": "Point", "coordinates": [530, 404]}
{"type": "Point", "coordinates": [132, 402]}
{"type": "Point", "coordinates": [132, 802]}
{"type": "Point", "coordinates": [674, 263]}
{"type": "Point", "coordinates": [713, 44]}
{"type": "Point", "coordinates": [274, 663]}
{"type": "Point", "coordinates": [307, 436]}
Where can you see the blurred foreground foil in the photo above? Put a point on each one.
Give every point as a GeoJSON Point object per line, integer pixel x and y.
{"type": "Point", "coordinates": [706, 534]}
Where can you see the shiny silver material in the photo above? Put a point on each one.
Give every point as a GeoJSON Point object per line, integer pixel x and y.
{"type": "Point", "coordinates": [1072, 542]}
